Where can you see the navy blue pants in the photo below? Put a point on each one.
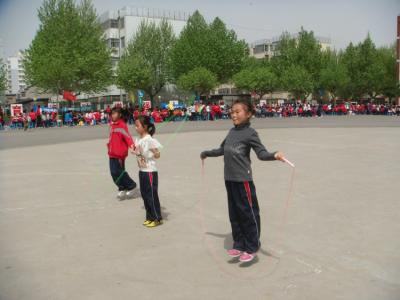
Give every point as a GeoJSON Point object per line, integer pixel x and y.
{"type": "Point", "coordinates": [244, 215]}
{"type": "Point", "coordinates": [149, 190]}
{"type": "Point", "coordinates": [120, 176]}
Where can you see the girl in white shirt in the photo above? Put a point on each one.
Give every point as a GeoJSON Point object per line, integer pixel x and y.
{"type": "Point", "coordinates": [147, 151]}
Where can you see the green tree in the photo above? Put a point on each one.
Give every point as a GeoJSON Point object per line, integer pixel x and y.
{"type": "Point", "coordinates": [309, 56]}
{"type": "Point", "coordinates": [366, 68]}
{"type": "Point", "coordinates": [369, 68]}
{"type": "Point", "coordinates": [68, 51]}
{"type": "Point", "coordinates": [3, 77]}
{"type": "Point", "coordinates": [199, 80]}
{"type": "Point", "coordinates": [261, 80]}
{"type": "Point", "coordinates": [350, 60]}
{"type": "Point", "coordinates": [297, 80]}
{"type": "Point", "coordinates": [303, 53]}
{"type": "Point", "coordinates": [211, 46]}
{"type": "Point", "coordinates": [389, 85]}
{"type": "Point", "coordinates": [145, 63]}
{"type": "Point", "coordinates": [334, 78]}
{"type": "Point", "coordinates": [285, 56]}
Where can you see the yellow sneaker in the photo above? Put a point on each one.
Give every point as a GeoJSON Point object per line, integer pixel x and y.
{"type": "Point", "coordinates": [147, 222]}
{"type": "Point", "coordinates": [154, 224]}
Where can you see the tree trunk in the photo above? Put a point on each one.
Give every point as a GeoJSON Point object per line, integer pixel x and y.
{"type": "Point", "coordinates": [152, 100]}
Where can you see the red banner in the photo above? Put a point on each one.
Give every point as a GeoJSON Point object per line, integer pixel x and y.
{"type": "Point", "coordinates": [67, 95]}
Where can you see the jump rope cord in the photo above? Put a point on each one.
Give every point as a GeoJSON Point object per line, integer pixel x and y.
{"type": "Point", "coordinates": [211, 249]}
{"type": "Point", "coordinates": [175, 133]}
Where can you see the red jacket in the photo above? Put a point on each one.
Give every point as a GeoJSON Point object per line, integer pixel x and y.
{"type": "Point", "coordinates": [32, 115]}
{"type": "Point", "coordinates": [120, 140]}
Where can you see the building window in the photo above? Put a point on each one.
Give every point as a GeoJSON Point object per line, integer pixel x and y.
{"type": "Point", "coordinates": [259, 49]}
{"type": "Point", "coordinates": [123, 42]}
{"type": "Point", "coordinates": [113, 43]}
{"type": "Point", "coordinates": [113, 23]}
{"type": "Point", "coordinates": [105, 25]}
{"type": "Point", "coordinates": [224, 91]}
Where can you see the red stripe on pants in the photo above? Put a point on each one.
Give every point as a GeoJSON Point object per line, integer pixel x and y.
{"type": "Point", "coordinates": [248, 192]}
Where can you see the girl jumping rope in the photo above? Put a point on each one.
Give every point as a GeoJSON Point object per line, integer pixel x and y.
{"type": "Point", "coordinates": [119, 142]}
{"type": "Point", "coordinates": [242, 199]}
{"type": "Point", "coordinates": [147, 151]}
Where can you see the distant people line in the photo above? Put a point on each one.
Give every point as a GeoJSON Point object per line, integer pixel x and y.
{"type": "Point", "coordinates": [47, 118]}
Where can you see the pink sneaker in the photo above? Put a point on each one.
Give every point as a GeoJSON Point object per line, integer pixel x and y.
{"type": "Point", "coordinates": [234, 253]}
{"type": "Point", "coordinates": [246, 257]}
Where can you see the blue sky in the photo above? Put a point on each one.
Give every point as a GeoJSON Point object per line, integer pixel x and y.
{"type": "Point", "coordinates": [341, 20]}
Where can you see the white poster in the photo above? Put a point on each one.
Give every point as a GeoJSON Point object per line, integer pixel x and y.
{"type": "Point", "coordinates": [16, 109]}
{"type": "Point", "coordinates": [117, 104]}
{"type": "Point", "coordinates": [53, 105]}
{"type": "Point", "coordinates": [146, 104]}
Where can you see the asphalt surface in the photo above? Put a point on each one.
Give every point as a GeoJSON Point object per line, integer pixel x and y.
{"type": "Point", "coordinates": [49, 136]}
{"type": "Point", "coordinates": [64, 235]}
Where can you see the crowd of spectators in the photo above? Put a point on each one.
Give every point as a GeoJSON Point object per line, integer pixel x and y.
{"type": "Point", "coordinates": [45, 117]}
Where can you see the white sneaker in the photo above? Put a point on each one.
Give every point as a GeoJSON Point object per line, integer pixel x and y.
{"type": "Point", "coordinates": [121, 195]}
{"type": "Point", "coordinates": [130, 194]}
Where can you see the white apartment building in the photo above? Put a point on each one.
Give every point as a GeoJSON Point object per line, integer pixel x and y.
{"type": "Point", "coordinates": [120, 26]}
{"type": "Point", "coordinates": [15, 74]}
{"type": "Point", "coordinates": [267, 48]}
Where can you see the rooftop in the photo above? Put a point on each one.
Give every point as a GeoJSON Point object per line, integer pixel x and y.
{"type": "Point", "coordinates": [145, 12]}
{"type": "Point", "coordinates": [276, 39]}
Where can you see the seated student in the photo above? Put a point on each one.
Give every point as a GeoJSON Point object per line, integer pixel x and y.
{"type": "Point", "coordinates": [300, 111]}
{"type": "Point", "coordinates": [32, 117]}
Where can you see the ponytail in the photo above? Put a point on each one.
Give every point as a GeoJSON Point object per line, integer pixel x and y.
{"type": "Point", "coordinates": [151, 129]}
{"type": "Point", "coordinates": [147, 124]}
{"type": "Point", "coordinates": [247, 104]}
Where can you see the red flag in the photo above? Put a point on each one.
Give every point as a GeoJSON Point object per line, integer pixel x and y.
{"type": "Point", "coordinates": [67, 95]}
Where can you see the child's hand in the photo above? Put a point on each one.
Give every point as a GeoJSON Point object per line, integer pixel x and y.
{"type": "Point", "coordinates": [279, 156]}
{"type": "Point", "coordinates": [132, 148]}
{"type": "Point", "coordinates": [156, 152]}
{"type": "Point", "coordinates": [137, 150]}
{"type": "Point", "coordinates": [203, 156]}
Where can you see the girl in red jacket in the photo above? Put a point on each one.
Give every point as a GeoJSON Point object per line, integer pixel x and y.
{"type": "Point", "coordinates": [119, 143]}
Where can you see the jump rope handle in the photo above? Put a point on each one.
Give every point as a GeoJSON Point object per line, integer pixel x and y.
{"type": "Point", "coordinates": [288, 162]}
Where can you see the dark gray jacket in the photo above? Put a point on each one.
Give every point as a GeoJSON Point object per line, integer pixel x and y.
{"type": "Point", "coordinates": [236, 151]}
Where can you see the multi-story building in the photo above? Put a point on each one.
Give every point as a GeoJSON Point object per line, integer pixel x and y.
{"type": "Point", "coordinates": [121, 25]}
{"type": "Point", "coordinates": [267, 48]}
{"type": "Point", "coordinates": [15, 74]}
{"type": "Point", "coordinates": [119, 28]}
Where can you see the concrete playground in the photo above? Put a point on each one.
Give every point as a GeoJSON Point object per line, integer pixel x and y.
{"type": "Point", "coordinates": [64, 235]}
